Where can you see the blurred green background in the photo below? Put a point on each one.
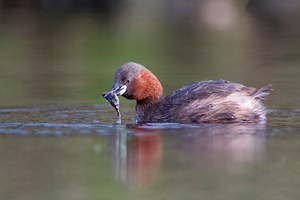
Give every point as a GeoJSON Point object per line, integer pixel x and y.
{"type": "Point", "coordinates": [66, 51]}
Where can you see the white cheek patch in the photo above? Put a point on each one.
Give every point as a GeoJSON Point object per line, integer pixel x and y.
{"type": "Point", "coordinates": [122, 90]}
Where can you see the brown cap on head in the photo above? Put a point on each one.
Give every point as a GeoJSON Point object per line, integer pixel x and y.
{"type": "Point", "coordinates": [128, 71]}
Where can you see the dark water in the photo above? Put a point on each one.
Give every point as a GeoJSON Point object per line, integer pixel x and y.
{"type": "Point", "coordinates": [58, 136]}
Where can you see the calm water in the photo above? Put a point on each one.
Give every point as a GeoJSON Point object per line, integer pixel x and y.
{"type": "Point", "coordinates": [58, 137]}
{"type": "Point", "coordinates": [77, 152]}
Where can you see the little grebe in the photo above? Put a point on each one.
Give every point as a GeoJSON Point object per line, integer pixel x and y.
{"type": "Point", "coordinates": [211, 101]}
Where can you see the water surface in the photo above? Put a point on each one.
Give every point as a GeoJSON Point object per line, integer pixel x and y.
{"type": "Point", "coordinates": [78, 152]}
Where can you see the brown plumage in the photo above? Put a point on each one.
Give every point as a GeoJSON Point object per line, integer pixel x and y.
{"type": "Point", "coordinates": [212, 101]}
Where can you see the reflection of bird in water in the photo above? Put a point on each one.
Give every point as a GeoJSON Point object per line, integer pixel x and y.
{"type": "Point", "coordinates": [219, 145]}
{"type": "Point", "coordinates": [138, 157]}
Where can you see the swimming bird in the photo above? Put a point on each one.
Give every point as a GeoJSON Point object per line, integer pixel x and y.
{"type": "Point", "coordinates": [209, 101]}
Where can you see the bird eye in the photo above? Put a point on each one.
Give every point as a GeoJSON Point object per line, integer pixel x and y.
{"type": "Point", "coordinates": [127, 80]}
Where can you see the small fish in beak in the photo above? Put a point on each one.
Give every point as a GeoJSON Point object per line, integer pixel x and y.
{"type": "Point", "coordinates": [112, 97]}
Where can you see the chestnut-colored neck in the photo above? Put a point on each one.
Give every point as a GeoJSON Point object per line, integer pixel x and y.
{"type": "Point", "coordinates": [148, 94]}
{"type": "Point", "coordinates": [146, 87]}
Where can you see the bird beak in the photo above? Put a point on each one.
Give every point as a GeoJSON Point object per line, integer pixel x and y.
{"type": "Point", "coordinates": [117, 90]}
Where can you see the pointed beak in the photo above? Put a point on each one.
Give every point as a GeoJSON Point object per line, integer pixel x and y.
{"type": "Point", "coordinates": [117, 89]}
